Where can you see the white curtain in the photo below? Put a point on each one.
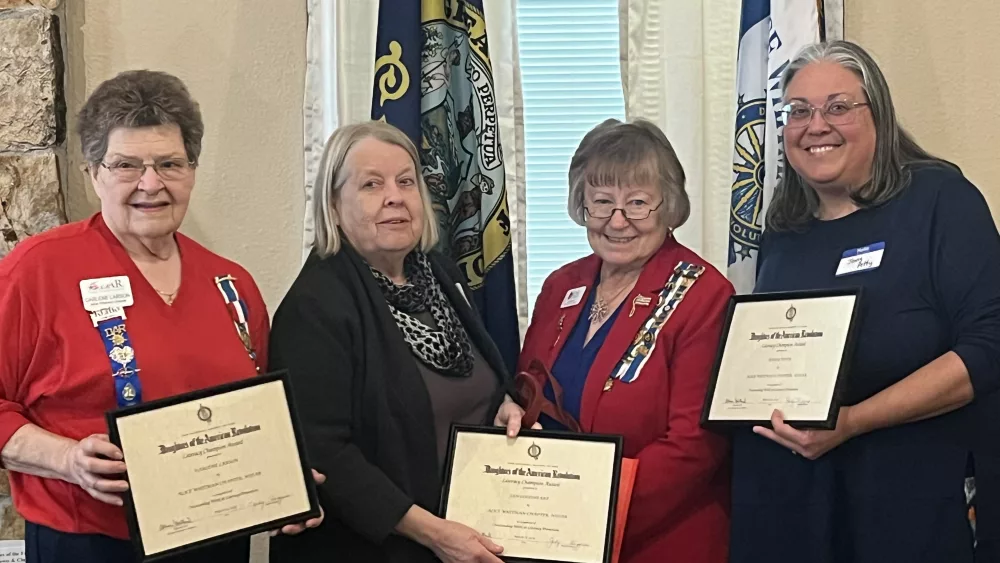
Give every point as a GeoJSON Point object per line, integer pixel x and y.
{"type": "Point", "coordinates": [340, 68]}
{"type": "Point", "coordinates": [501, 32]}
{"type": "Point", "coordinates": [678, 70]}
{"type": "Point", "coordinates": [340, 55]}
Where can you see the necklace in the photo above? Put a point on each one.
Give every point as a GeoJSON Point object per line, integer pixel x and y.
{"type": "Point", "coordinates": [168, 297]}
{"type": "Point", "coordinates": [599, 310]}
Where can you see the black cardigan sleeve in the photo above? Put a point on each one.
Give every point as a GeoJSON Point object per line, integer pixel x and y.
{"type": "Point", "coordinates": [313, 337]}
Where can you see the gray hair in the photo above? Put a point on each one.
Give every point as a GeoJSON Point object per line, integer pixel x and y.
{"type": "Point", "coordinates": [333, 175]}
{"type": "Point", "coordinates": [628, 154]}
{"type": "Point", "coordinates": [139, 98]}
{"type": "Point", "coordinates": [795, 203]}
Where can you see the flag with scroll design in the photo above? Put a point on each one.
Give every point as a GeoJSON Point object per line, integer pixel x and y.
{"type": "Point", "coordinates": [434, 81]}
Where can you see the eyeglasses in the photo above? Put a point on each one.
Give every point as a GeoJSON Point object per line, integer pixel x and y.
{"type": "Point", "coordinates": [129, 171]}
{"type": "Point", "coordinates": [635, 212]}
{"type": "Point", "coordinates": [835, 112]}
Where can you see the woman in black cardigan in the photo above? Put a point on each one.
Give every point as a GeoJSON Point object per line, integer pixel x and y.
{"type": "Point", "coordinates": [385, 352]}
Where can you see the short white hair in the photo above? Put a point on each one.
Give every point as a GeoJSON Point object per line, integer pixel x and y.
{"type": "Point", "coordinates": [333, 174]}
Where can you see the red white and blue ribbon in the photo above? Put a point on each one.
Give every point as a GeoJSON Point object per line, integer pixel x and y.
{"type": "Point", "coordinates": [644, 343]}
{"type": "Point", "coordinates": [239, 312]}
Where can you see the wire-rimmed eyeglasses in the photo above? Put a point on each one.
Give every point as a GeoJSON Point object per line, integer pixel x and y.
{"type": "Point", "coordinates": [636, 212]}
{"type": "Point", "coordinates": [836, 112]}
{"type": "Point", "coordinates": [127, 170]}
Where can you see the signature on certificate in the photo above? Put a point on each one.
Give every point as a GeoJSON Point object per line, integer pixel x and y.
{"type": "Point", "coordinates": [178, 525]}
{"type": "Point", "coordinates": [275, 500]}
{"type": "Point", "coordinates": [799, 401]}
{"type": "Point", "coordinates": [571, 545]}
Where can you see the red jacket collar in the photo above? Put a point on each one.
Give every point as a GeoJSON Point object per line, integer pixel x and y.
{"type": "Point", "coordinates": [626, 325]}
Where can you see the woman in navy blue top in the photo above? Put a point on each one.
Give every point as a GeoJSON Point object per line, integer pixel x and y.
{"type": "Point", "coordinates": [889, 483]}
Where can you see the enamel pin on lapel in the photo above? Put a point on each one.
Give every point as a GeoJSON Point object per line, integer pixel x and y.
{"type": "Point", "coordinates": [558, 334]}
{"type": "Point", "coordinates": [573, 297]}
{"type": "Point", "coordinates": [640, 301]}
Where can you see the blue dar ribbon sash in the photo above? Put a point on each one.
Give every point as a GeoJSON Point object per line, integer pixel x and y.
{"type": "Point", "coordinates": [124, 369]}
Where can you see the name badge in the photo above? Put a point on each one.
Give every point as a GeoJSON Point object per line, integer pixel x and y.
{"type": "Point", "coordinates": [104, 293]}
{"type": "Point", "coordinates": [106, 313]}
{"type": "Point", "coordinates": [861, 259]}
{"type": "Point", "coordinates": [573, 297]}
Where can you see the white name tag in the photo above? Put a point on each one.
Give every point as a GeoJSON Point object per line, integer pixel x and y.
{"type": "Point", "coordinates": [861, 259]}
{"type": "Point", "coordinates": [573, 297]}
{"type": "Point", "coordinates": [103, 293]}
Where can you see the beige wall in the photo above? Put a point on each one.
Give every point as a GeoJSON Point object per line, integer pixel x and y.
{"type": "Point", "coordinates": [942, 61]}
{"type": "Point", "coordinates": [244, 62]}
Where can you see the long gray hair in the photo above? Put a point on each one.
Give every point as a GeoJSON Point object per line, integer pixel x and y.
{"type": "Point", "coordinates": [795, 203]}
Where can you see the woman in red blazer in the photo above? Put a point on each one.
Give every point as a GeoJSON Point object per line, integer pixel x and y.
{"type": "Point", "coordinates": [630, 335]}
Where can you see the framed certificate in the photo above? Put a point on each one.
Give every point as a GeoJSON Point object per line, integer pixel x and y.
{"type": "Point", "coordinates": [787, 351]}
{"type": "Point", "coordinates": [543, 496]}
{"type": "Point", "coordinates": [213, 465]}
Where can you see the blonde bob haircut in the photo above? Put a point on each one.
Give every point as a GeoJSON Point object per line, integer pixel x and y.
{"type": "Point", "coordinates": [333, 174]}
{"type": "Point", "coordinates": [628, 154]}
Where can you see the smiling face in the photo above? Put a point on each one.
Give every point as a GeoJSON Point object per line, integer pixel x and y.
{"type": "Point", "coordinates": [619, 241]}
{"type": "Point", "coordinates": [830, 157]}
{"type": "Point", "coordinates": [379, 206]}
{"type": "Point", "coordinates": [150, 208]}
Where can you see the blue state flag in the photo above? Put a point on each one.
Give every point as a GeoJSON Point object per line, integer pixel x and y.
{"type": "Point", "coordinates": [446, 102]}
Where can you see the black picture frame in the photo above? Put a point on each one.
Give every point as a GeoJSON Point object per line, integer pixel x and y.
{"type": "Point", "coordinates": [842, 373]}
{"type": "Point", "coordinates": [617, 440]}
{"type": "Point", "coordinates": [135, 535]}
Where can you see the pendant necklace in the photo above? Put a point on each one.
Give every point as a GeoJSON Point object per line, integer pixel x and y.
{"type": "Point", "coordinates": [599, 310]}
{"type": "Point", "coordinates": [167, 297]}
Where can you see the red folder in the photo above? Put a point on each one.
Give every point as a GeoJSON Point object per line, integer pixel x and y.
{"type": "Point", "coordinates": [627, 480]}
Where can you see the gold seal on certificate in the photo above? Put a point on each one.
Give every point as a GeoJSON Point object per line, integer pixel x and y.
{"type": "Point", "coordinates": [786, 351]}
{"type": "Point", "coordinates": [212, 465]}
{"type": "Point", "coordinates": [543, 496]}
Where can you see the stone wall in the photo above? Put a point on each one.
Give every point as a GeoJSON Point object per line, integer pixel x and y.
{"type": "Point", "coordinates": [32, 134]}
{"type": "Point", "coordinates": [32, 120]}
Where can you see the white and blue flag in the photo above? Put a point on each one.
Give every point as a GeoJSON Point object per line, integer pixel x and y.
{"type": "Point", "coordinates": [771, 33]}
